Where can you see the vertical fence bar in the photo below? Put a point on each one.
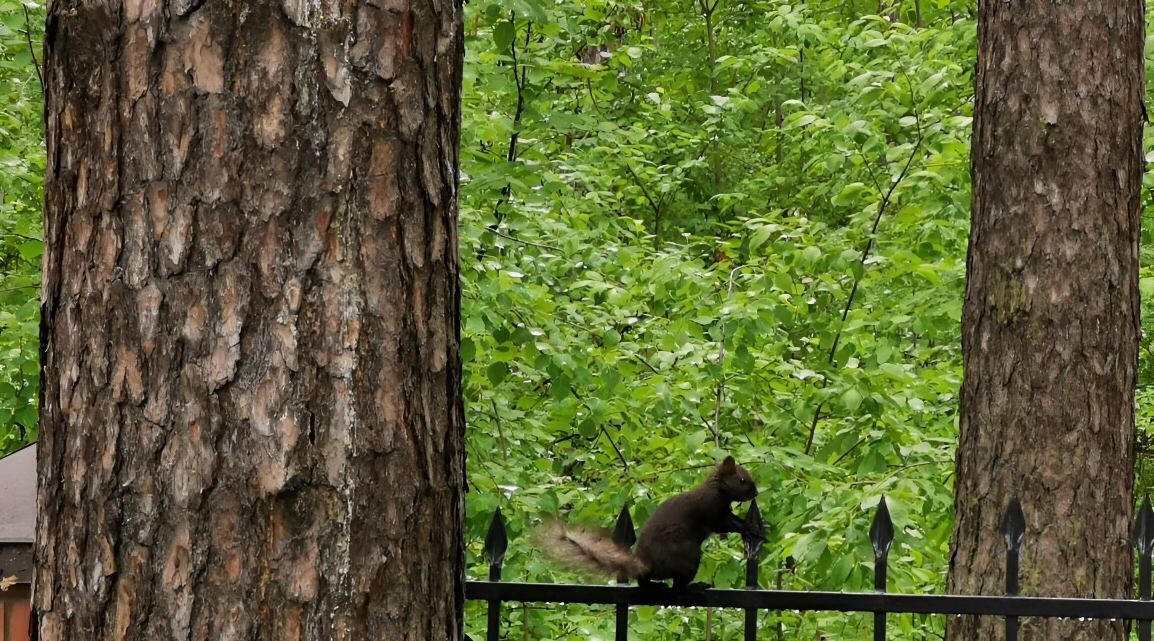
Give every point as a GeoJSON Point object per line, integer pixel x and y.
{"type": "Point", "coordinates": [625, 536]}
{"type": "Point", "coordinates": [753, 537]}
{"type": "Point", "coordinates": [1144, 541]}
{"type": "Point", "coordinates": [787, 567]}
{"type": "Point", "coordinates": [496, 543]}
{"type": "Point", "coordinates": [1013, 531]}
{"type": "Point", "coordinates": [881, 535]}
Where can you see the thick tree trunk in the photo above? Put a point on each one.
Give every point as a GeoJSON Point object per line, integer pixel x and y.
{"type": "Point", "coordinates": [1050, 326]}
{"type": "Point", "coordinates": [251, 424]}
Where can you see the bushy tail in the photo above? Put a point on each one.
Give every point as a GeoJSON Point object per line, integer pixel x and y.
{"type": "Point", "coordinates": [589, 550]}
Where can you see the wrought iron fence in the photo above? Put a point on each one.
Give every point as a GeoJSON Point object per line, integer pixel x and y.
{"type": "Point", "coordinates": [752, 599]}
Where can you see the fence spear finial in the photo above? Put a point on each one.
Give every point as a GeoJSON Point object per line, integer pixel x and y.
{"type": "Point", "coordinates": [1144, 528]}
{"type": "Point", "coordinates": [623, 533]}
{"type": "Point", "coordinates": [496, 540]}
{"type": "Point", "coordinates": [1013, 525]}
{"type": "Point", "coordinates": [882, 531]}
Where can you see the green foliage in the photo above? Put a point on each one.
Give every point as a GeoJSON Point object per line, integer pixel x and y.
{"type": "Point", "coordinates": [667, 258]}
{"type": "Point", "coordinates": [1144, 478]}
{"type": "Point", "coordinates": [21, 180]}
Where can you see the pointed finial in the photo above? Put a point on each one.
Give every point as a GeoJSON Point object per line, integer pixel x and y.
{"type": "Point", "coordinates": [882, 530]}
{"type": "Point", "coordinates": [1014, 525]}
{"type": "Point", "coordinates": [623, 533]}
{"type": "Point", "coordinates": [496, 541]}
{"type": "Point", "coordinates": [753, 537]}
{"type": "Point", "coordinates": [754, 525]}
{"type": "Point", "coordinates": [1144, 528]}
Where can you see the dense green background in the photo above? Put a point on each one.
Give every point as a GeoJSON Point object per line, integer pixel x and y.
{"type": "Point", "coordinates": [687, 228]}
{"type": "Point", "coordinates": [21, 197]}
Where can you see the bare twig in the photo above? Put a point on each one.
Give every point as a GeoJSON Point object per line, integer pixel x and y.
{"type": "Point", "coordinates": [497, 232]}
{"type": "Point", "coordinates": [521, 80]}
{"type": "Point", "coordinates": [645, 192]}
{"type": "Point", "coordinates": [24, 236]}
{"type": "Point", "coordinates": [500, 431]}
{"type": "Point", "coordinates": [657, 207]}
{"type": "Point", "coordinates": [882, 206]}
{"type": "Point", "coordinates": [21, 287]}
{"type": "Point", "coordinates": [601, 428]}
{"type": "Point", "coordinates": [720, 394]}
{"type": "Point", "coordinates": [646, 363]}
{"type": "Point", "coordinates": [620, 456]}
{"type": "Point", "coordinates": [31, 49]}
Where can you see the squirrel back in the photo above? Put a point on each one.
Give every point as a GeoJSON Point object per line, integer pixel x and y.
{"type": "Point", "coordinates": [669, 546]}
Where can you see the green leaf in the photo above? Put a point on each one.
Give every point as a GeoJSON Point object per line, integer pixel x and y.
{"type": "Point", "coordinates": [468, 349]}
{"type": "Point", "coordinates": [611, 338]}
{"type": "Point", "coordinates": [851, 399]}
{"type": "Point", "coordinates": [503, 35]}
{"type": "Point", "coordinates": [849, 194]}
{"type": "Point", "coordinates": [496, 372]}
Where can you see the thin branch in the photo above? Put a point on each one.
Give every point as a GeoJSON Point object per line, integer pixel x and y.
{"type": "Point", "coordinates": [718, 399]}
{"type": "Point", "coordinates": [496, 232]}
{"type": "Point", "coordinates": [656, 207]}
{"type": "Point", "coordinates": [847, 452]}
{"type": "Point", "coordinates": [620, 456]}
{"type": "Point", "coordinates": [813, 426]}
{"type": "Point", "coordinates": [645, 192]}
{"type": "Point", "coordinates": [601, 428]}
{"type": "Point", "coordinates": [869, 167]}
{"type": "Point", "coordinates": [720, 395]}
{"type": "Point", "coordinates": [870, 243]}
{"type": "Point", "coordinates": [521, 81]}
{"type": "Point", "coordinates": [31, 49]}
{"type": "Point", "coordinates": [500, 430]}
{"type": "Point", "coordinates": [563, 439]}
{"type": "Point", "coordinates": [25, 237]}
{"type": "Point", "coordinates": [882, 206]}
{"type": "Point", "coordinates": [592, 96]}
{"type": "Point", "coordinates": [878, 485]}
{"type": "Point", "coordinates": [646, 363]}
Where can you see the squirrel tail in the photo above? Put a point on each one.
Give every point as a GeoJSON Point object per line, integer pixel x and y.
{"type": "Point", "coordinates": [589, 550]}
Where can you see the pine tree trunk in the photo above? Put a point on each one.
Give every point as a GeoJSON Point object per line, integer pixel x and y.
{"type": "Point", "coordinates": [251, 423]}
{"type": "Point", "coordinates": [1050, 324]}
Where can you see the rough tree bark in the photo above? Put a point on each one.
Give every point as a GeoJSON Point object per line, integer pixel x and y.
{"type": "Point", "coordinates": [1050, 323]}
{"type": "Point", "coordinates": [251, 424]}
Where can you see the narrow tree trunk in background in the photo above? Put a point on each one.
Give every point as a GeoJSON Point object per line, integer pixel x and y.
{"type": "Point", "coordinates": [1050, 325]}
{"type": "Point", "coordinates": [251, 423]}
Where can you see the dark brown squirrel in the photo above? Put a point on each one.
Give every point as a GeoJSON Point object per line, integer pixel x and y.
{"type": "Point", "coordinates": [669, 546]}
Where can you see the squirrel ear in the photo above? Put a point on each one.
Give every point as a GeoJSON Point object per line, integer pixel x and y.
{"type": "Point", "coordinates": [728, 464]}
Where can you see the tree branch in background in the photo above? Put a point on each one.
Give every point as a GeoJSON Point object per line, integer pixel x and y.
{"type": "Point", "coordinates": [882, 206]}
{"type": "Point", "coordinates": [521, 80]}
{"type": "Point", "coordinates": [657, 207]}
{"type": "Point", "coordinates": [31, 49]}
{"type": "Point", "coordinates": [720, 393]}
{"type": "Point", "coordinates": [497, 232]}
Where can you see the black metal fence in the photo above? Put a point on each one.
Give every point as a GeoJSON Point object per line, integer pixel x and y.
{"type": "Point", "coordinates": [752, 598]}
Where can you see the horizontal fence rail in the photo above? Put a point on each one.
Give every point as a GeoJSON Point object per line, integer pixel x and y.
{"type": "Point", "coordinates": [807, 601]}
{"type": "Point", "coordinates": [752, 599]}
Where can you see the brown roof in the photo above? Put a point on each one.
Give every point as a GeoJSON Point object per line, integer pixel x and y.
{"type": "Point", "coordinates": [18, 496]}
